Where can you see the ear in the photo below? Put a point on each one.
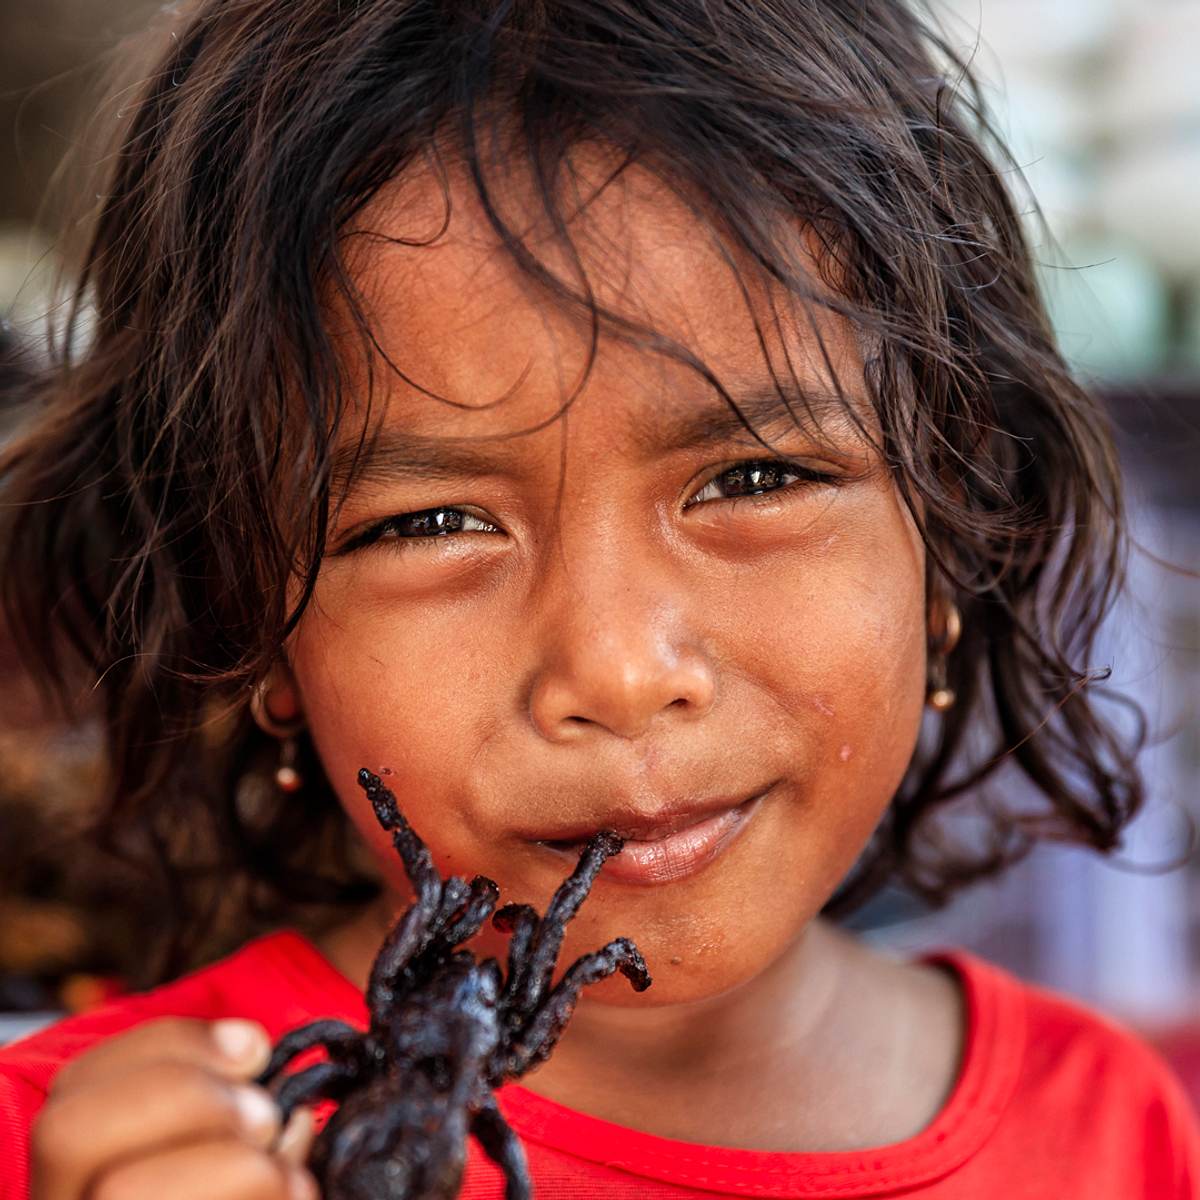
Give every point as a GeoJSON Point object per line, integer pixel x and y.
{"type": "Point", "coordinates": [275, 703]}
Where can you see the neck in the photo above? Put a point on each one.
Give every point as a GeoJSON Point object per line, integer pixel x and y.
{"type": "Point", "coordinates": [766, 1048]}
{"type": "Point", "coordinates": [701, 1039]}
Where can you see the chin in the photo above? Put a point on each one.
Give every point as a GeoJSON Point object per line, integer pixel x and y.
{"type": "Point", "coordinates": [689, 971]}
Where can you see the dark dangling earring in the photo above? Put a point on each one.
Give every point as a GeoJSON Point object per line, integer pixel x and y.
{"type": "Point", "coordinates": [940, 697]}
{"type": "Point", "coordinates": [287, 775]}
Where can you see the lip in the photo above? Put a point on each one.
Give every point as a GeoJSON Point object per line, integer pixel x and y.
{"type": "Point", "coordinates": [646, 827]}
{"type": "Point", "coordinates": [665, 850]}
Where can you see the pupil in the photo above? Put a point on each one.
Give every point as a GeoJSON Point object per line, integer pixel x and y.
{"type": "Point", "coordinates": [757, 477]}
{"type": "Point", "coordinates": [436, 520]}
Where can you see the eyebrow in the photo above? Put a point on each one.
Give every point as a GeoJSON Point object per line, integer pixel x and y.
{"type": "Point", "coordinates": [395, 454]}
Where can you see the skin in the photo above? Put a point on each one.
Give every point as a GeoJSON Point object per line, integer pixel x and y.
{"type": "Point", "coordinates": [168, 1109]}
{"type": "Point", "coordinates": [607, 643]}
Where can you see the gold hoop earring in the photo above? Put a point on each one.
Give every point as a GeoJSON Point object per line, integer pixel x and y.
{"type": "Point", "coordinates": [939, 696]}
{"type": "Point", "coordinates": [287, 776]}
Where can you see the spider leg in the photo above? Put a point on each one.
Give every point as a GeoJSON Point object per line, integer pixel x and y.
{"type": "Point", "coordinates": [412, 933]}
{"type": "Point", "coordinates": [479, 904]}
{"type": "Point", "coordinates": [563, 906]}
{"type": "Point", "coordinates": [545, 1027]}
{"type": "Point", "coordinates": [426, 881]}
{"type": "Point", "coordinates": [333, 1035]}
{"type": "Point", "coordinates": [406, 940]}
{"type": "Point", "coordinates": [455, 892]}
{"type": "Point", "coordinates": [503, 1147]}
{"type": "Point", "coordinates": [324, 1081]}
{"type": "Point", "coordinates": [521, 920]}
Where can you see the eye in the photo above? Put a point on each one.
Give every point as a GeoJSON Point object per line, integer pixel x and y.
{"type": "Point", "coordinates": [418, 529]}
{"type": "Point", "coordinates": [745, 480]}
{"type": "Point", "coordinates": [758, 477]}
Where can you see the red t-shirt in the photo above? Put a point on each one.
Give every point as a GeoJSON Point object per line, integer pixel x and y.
{"type": "Point", "coordinates": [1052, 1102]}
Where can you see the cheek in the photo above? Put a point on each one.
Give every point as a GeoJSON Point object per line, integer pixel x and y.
{"type": "Point", "coordinates": [840, 644]}
{"type": "Point", "coordinates": [839, 640]}
{"type": "Point", "coordinates": [397, 696]}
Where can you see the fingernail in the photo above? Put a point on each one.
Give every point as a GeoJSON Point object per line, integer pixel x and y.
{"type": "Point", "coordinates": [239, 1040]}
{"type": "Point", "coordinates": [257, 1111]}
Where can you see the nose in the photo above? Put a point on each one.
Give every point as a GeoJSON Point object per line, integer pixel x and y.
{"type": "Point", "coordinates": [618, 652]}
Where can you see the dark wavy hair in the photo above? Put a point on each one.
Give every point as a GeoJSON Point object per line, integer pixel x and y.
{"type": "Point", "coordinates": [177, 466]}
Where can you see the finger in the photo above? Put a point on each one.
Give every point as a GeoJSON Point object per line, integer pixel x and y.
{"type": "Point", "coordinates": [86, 1131]}
{"type": "Point", "coordinates": [297, 1138]}
{"type": "Point", "coordinates": [235, 1049]}
{"type": "Point", "coordinates": [203, 1171]}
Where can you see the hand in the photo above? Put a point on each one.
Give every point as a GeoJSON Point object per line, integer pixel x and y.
{"type": "Point", "coordinates": [168, 1109]}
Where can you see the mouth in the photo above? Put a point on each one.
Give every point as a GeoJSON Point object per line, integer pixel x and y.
{"type": "Point", "coordinates": [663, 849]}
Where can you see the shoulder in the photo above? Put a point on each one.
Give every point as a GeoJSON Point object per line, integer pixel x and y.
{"type": "Point", "coordinates": [1069, 1045]}
{"type": "Point", "coordinates": [1085, 1088]}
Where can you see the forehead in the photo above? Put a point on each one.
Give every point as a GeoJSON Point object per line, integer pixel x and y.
{"type": "Point", "coordinates": [467, 343]}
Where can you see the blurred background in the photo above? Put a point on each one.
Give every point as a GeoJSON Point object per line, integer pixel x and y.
{"type": "Point", "coordinates": [1100, 100]}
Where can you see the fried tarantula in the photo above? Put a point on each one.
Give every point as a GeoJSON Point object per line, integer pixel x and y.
{"type": "Point", "coordinates": [445, 1030]}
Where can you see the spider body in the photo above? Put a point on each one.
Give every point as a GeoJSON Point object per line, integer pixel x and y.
{"type": "Point", "coordinates": [445, 1030]}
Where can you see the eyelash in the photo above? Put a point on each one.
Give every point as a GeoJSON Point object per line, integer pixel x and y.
{"type": "Point", "coordinates": [806, 477]}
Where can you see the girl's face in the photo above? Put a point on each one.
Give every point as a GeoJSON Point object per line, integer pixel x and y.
{"type": "Point", "coordinates": [603, 631]}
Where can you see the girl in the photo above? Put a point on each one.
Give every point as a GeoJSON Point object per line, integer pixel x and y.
{"type": "Point", "coordinates": [600, 415]}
